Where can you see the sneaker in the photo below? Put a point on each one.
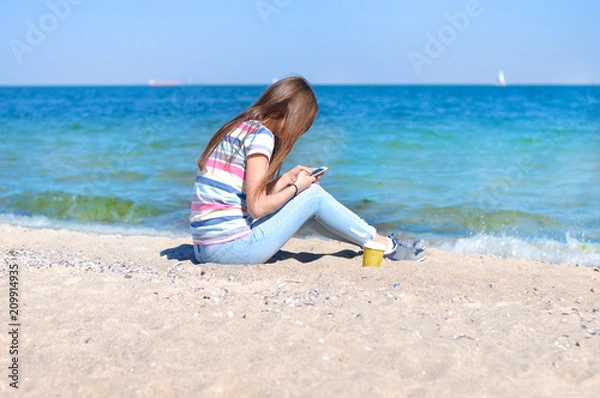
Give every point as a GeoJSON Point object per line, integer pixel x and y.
{"type": "Point", "coordinates": [409, 243]}
{"type": "Point", "coordinates": [401, 252]}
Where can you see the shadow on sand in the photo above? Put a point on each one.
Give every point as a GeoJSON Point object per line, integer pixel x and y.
{"type": "Point", "coordinates": [186, 252]}
{"type": "Point", "coordinates": [182, 253]}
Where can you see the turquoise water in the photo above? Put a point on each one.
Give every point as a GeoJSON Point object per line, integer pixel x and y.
{"type": "Point", "coordinates": [512, 171]}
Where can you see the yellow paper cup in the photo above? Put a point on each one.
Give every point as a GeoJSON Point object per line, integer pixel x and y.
{"type": "Point", "coordinates": [373, 254]}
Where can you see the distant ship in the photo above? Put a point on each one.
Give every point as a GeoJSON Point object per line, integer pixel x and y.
{"type": "Point", "coordinates": [158, 83]}
{"type": "Point", "coordinates": [501, 81]}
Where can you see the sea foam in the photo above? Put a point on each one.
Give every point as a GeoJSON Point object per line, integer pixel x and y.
{"type": "Point", "coordinates": [41, 222]}
{"type": "Point", "coordinates": [570, 250]}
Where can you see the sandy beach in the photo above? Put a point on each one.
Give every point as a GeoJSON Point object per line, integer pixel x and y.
{"type": "Point", "coordinates": [110, 315]}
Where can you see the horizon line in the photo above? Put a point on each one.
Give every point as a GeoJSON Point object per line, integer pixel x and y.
{"type": "Point", "coordinates": [268, 84]}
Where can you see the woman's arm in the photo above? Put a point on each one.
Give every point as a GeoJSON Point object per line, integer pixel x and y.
{"type": "Point", "coordinates": [278, 191]}
{"type": "Point", "coordinates": [278, 184]}
{"type": "Point", "coordinates": [287, 179]}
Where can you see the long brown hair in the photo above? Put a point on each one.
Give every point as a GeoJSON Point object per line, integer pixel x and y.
{"type": "Point", "coordinates": [289, 103]}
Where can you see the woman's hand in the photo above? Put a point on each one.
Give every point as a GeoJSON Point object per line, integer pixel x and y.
{"type": "Point", "coordinates": [304, 179]}
{"type": "Point", "coordinates": [301, 176]}
{"type": "Point", "coordinates": [292, 175]}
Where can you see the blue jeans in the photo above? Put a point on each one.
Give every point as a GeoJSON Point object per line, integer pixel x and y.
{"type": "Point", "coordinates": [313, 207]}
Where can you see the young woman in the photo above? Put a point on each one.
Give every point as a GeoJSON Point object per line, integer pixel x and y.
{"type": "Point", "coordinates": [242, 213]}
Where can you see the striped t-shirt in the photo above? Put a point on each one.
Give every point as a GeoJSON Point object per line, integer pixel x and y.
{"type": "Point", "coordinates": [219, 199]}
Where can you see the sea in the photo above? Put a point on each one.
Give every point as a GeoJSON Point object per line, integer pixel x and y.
{"type": "Point", "coordinates": [509, 171]}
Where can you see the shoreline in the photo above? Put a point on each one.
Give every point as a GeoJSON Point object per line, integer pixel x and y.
{"type": "Point", "coordinates": [126, 315]}
{"type": "Point", "coordinates": [571, 250]}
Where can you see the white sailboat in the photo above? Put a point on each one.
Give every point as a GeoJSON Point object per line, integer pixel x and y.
{"type": "Point", "coordinates": [501, 80]}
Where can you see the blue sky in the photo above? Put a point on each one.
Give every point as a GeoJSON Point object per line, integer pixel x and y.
{"type": "Point", "coordinates": [50, 42]}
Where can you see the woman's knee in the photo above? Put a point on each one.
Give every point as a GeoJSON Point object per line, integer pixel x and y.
{"type": "Point", "coordinates": [315, 190]}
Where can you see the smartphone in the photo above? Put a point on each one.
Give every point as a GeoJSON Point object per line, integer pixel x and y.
{"type": "Point", "coordinates": [318, 172]}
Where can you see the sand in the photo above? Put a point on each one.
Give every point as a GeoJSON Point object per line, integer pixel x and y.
{"type": "Point", "coordinates": [110, 315]}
